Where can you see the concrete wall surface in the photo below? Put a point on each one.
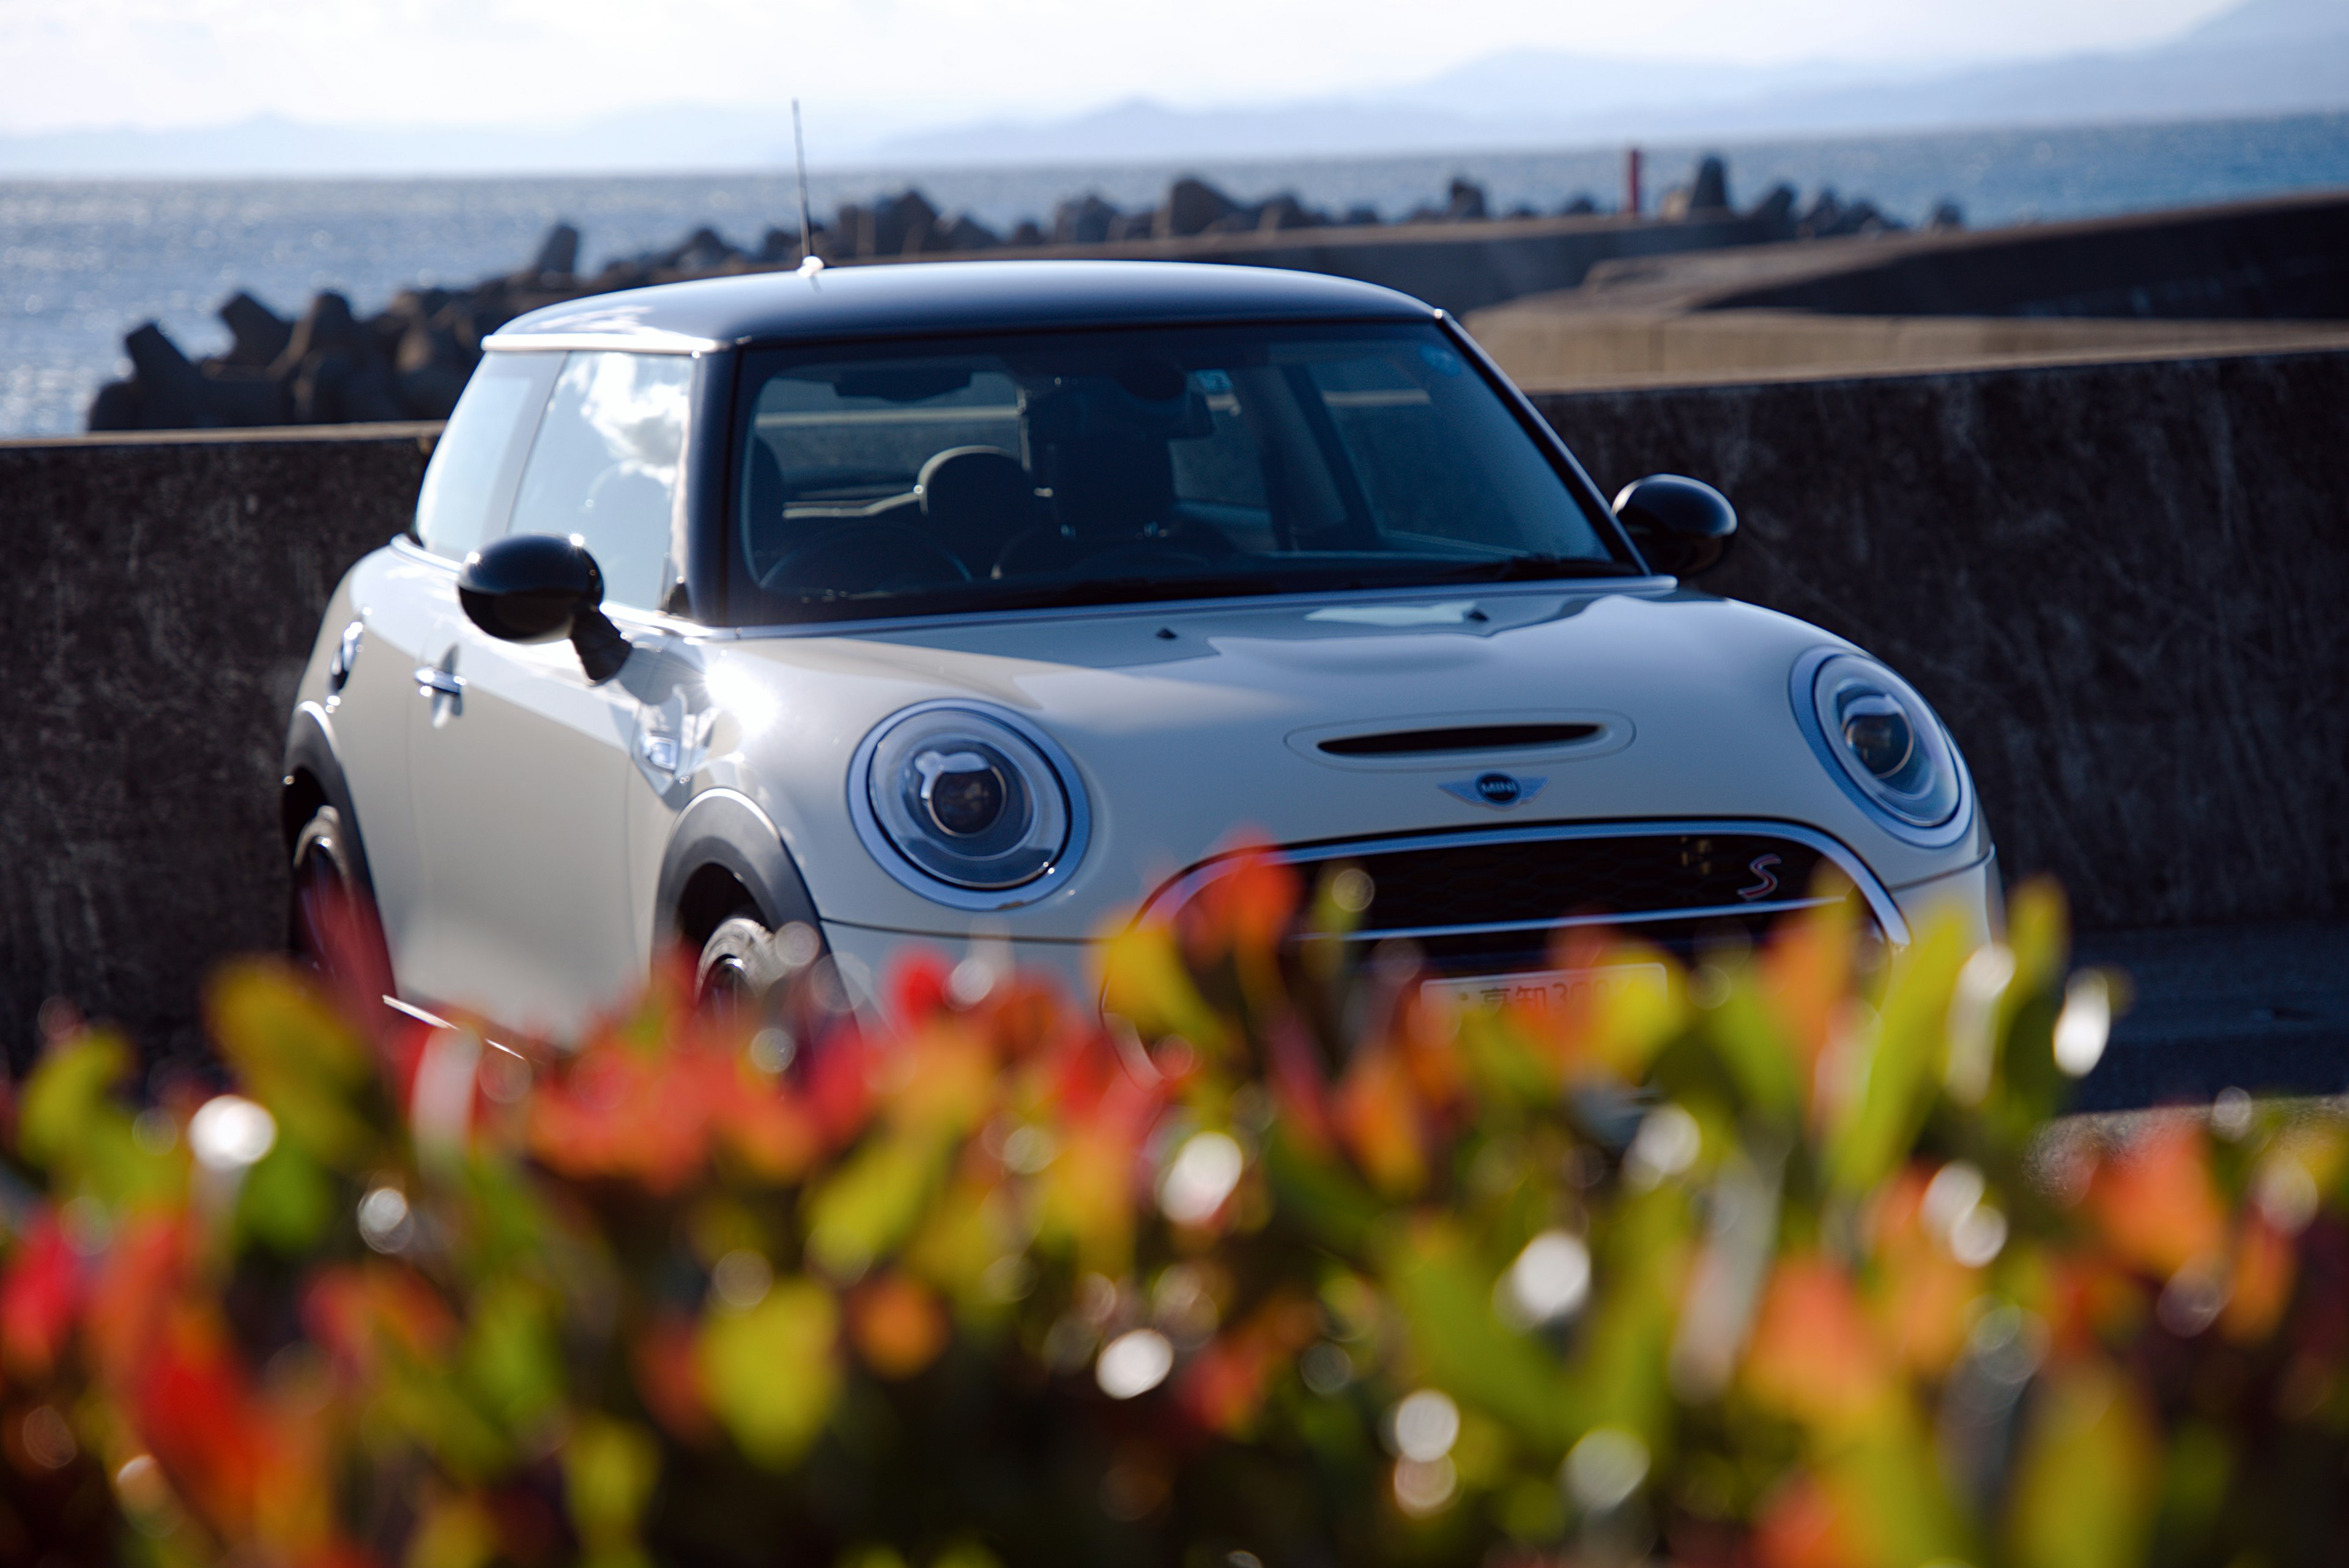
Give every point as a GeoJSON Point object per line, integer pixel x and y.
{"type": "Point", "coordinates": [2123, 585]}
{"type": "Point", "coordinates": [159, 597]}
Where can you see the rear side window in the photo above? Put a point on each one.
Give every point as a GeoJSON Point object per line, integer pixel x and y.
{"type": "Point", "coordinates": [604, 468]}
{"type": "Point", "coordinates": [468, 486]}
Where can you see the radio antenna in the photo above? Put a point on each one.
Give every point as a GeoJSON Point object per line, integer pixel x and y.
{"type": "Point", "coordinates": [808, 260]}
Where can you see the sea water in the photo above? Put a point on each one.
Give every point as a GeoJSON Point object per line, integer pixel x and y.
{"type": "Point", "coordinates": [83, 262]}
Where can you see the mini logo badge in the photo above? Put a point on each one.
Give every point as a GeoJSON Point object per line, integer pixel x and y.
{"type": "Point", "coordinates": [1498, 790]}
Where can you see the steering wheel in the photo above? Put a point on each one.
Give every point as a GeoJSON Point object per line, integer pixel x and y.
{"type": "Point", "coordinates": [865, 558]}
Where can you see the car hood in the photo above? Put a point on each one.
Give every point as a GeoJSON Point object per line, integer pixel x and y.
{"type": "Point", "coordinates": [1194, 728]}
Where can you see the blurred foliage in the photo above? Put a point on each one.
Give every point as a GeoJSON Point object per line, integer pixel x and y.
{"type": "Point", "coordinates": [1781, 1261]}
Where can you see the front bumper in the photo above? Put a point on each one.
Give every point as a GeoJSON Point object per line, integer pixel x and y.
{"type": "Point", "coordinates": [1971, 896]}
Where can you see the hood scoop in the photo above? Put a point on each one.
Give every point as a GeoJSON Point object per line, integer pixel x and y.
{"type": "Point", "coordinates": [1453, 739]}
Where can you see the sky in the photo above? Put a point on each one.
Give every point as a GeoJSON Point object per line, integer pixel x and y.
{"type": "Point", "coordinates": [890, 65]}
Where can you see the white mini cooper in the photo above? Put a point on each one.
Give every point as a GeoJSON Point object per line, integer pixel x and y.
{"type": "Point", "coordinates": [842, 610]}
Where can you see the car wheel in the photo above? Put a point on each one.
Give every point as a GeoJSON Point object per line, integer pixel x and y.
{"type": "Point", "coordinates": [331, 922]}
{"type": "Point", "coordinates": [736, 963]}
{"type": "Point", "coordinates": [743, 960]}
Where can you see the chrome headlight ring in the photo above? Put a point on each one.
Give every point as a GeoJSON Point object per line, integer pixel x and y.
{"type": "Point", "coordinates": [1884, 745]}
{"type": "Point", "coordinates": [968, 804]}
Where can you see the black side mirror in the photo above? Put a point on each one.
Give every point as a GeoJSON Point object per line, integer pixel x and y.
{"type": "Point", "coordinates": [1681, 526]}
{"type": "Point", "coordinates": [535, 587]}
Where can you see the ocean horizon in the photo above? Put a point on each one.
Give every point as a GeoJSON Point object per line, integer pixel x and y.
{"type": "Point", "coordinates": [85, 261]}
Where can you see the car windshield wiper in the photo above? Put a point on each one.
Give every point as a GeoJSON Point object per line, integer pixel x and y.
{"type": "Point", "coordinates": [1530, 568]}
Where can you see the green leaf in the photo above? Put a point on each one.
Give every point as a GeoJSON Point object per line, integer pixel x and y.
{"type": "Point", "coordinates": [297, 1057]}
{"type": "Point", "coordinates": [773, 1372]}
{"type": "Point", "coordinates": [1900, 1073]}
{"type": "Point", "coordinates": [1445, 1294]}
{"type": "Point", "coordinates": [1758, 1060]}
{"type": "Point", "coordinates": [67, 1095]}
{"type": "Point", "coordinates": [286, 1202]}
{"type": "Point", "coordinates": [511, 1356]}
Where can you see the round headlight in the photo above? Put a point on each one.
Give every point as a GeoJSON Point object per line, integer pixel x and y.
{"type": "Point", "coordinates": [1883, 738]}
{"type": "Point", "coordinates": [968, 806]}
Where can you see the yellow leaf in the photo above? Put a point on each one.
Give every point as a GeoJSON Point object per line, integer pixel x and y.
{"type": "Point", "coordinates": [453, 1532]}
{"type": "Point", "coordinates": [608, 1470]}
{"type": "Point", "coordinates": [872, 1204]}
{"type": "Point", "coordinates": [773, 1372]}
{"type": "Point", "coordinates": [1143, 981]}
{"type": "Point", "coordinates": [2084, 1493]}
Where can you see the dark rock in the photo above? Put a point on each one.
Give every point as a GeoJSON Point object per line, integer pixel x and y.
{"type": "Point", "coordinates": [1709, 195]}
{"type": "Point", "coordinates": [1580, 207]}
{"type": "Point", "coordinates": [258, 333]}
{"type": "Point", "coordinates": [1777, 208]}
{"type": "Point", "coordinates": [1522, 211]}
{"type": "Point", "coordinates": [328, 328]}
{"type": "Point", "coordinates": [1193, 206]}
{"type": "Point", "coordinates": [1027, 233]}
{"type": "Point", "coordinates": [1285, 211]}
{"type": "Point", "coordinates": [431, 368]}
{"type": "Point", "coordinates": [851, 227]}
{"type": "Point", "coordinates": [779, 246]}
{"type": "Point", "coordinates": [1361, 217]}
{"type": "Point", "coordinates": [171, 389]}
{"type": "Point", "coordinates": [239, 396]}
{"type": "Point", "coordinates": [1824, 212]}
{"type": "Point", "coordinates": [118, 407]}
{"type": "Point", "coordinates": [704, 250]}
{"type": "Point", "coordinates": [1947, 215]}
{"type": "Point", "coordinates": [1083, 222]}
{"type": "Point", "coordinates": [1141, 225]}
{"type": "Point", "coordinates": [964, 232]}
{"type": "Point", "coordinates": [903, 224]}
{"type": "Point", "coordinates": [1467, 202]}
{"type": "Point", "coordinates": [558, 254]}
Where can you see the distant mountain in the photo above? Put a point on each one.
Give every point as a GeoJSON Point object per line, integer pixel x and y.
{"type": "Point", "coordinates": [2262, 56]}
{"type": "Point", "coordinates": [2265, 57]}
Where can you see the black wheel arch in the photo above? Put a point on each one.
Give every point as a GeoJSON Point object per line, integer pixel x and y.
{"type": "Point", "coordinates": [724, 854]}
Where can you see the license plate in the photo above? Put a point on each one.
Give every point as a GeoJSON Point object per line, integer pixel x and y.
{"type": "Point", "coordinates": [1547, 989]}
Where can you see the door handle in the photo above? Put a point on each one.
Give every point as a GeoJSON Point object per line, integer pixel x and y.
{"type": "Point", "coordinates": [447, 682]}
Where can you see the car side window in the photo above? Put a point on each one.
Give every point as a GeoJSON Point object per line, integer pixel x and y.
{"type": "Point", "coordinates": [469, 485]}
{"type": "Point", "coordinates": [604, 469]}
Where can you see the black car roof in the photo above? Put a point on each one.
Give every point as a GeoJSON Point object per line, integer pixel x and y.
{"type": "Point", "coordinates": [911, 298]}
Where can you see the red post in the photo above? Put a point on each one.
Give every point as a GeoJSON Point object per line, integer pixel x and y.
{"type": "Point", "coordinates": [1632, 183]}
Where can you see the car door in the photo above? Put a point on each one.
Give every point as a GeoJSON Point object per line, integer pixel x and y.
{"type": "Point", "coordinates": [519, 765]}
{"type": "Point", "coordinates": [400, 597]}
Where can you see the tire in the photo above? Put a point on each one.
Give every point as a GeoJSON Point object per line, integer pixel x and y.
{"type": "Point", "coordinates": [743, 960]}
{"type": "Point", "coordinates": [735, 963]}
{"type": "Point", "coordinates": [331, 921]}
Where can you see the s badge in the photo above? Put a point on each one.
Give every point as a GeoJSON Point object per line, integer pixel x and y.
{"type": "Point", "coordinates": [1498, 790]}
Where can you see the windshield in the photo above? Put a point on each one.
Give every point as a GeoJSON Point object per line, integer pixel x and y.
{"type": "Point", "coordinates": [1109, 467]}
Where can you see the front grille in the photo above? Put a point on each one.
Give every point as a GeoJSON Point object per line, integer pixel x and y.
{"type": "Point", "coordinates": [1496, 900]}
{"type": "Point", "coordinates": [1422, 890]}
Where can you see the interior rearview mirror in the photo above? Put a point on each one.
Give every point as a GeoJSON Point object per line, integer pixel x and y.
{"type": "Point", "coordinates": [535, 587]}
{"type": "Point", "coordinates": [1680, 525]}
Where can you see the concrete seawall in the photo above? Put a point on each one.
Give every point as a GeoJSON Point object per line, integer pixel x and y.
{"type": "Point", "coordinates": [161, 597]}
{"type": "Point", "coordinates": [2122, 584]}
